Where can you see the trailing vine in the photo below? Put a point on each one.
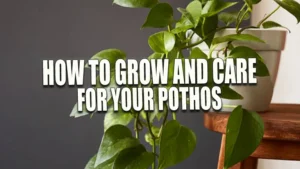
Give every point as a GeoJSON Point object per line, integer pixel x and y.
{"type": "Point", "coordinates": [172, 142]}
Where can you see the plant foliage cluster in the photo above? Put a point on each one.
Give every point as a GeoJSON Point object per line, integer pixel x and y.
{"type": "Point", "coordinates": [172, 142]}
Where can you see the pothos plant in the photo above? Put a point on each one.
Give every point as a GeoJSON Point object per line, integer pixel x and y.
{"type": "Point", "coordinates": [172, 142]}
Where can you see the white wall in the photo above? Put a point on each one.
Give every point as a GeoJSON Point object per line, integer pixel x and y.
{"type": "Point", "coordinates": [287, 89]}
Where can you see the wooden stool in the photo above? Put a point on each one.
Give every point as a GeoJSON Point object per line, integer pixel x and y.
{"type": "Point", "coordinates": [281, 138]}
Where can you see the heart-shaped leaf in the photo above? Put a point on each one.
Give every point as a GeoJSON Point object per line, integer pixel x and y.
{"type": "Point", "coordinates": [176, 144]}
{"type": "Point", "coordinates": [237, 37]}
{"type": "Point", "coordinates": [134, 158]}
{"type": "Point", "coordinates": [162, 42]}
{"type": "Point", "coordinates": [136, 3]}
{"type": "Point", "coordinates": [272, 24]}
{"type": "Point", "coordinates": [185, 23]}
{"type": "Point", "coordinates": [244, 133]}
{"type": "Point", "coordinates": [246, 52]}
{"type": "Point", "coordinates": [112, 55]}
{"type": "Point", "coordinates": [182, 25]}
{"type": "Point", "coordinates": [291, 6]}
{"type": "Point", "coordinates": [186, 15]}
{"type": "Point", "coordinates": [231, 17]}
{"type": "Point", "coordinates": [214, 7]}
{"type": "Point", "coordinates": [195, 9]}
{"type": "Point", "coordinates": [160, 16]}
{"type": "Point", "coordinates": [113, 118]}
{"type": "Point", "coordinates": [115, 139]}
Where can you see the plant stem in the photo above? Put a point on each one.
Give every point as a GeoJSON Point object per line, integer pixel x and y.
{"type": "Point", "coordinates": [268, 16]}
{"type": "Point", "coordinates": [226, 49]}
{"type": "Point", "coordinates": [153, 138]}
{"type": "Point", "coordinates": [248, 27]}
{"type": "Point", "coordinates": [154, 151]}
{"type": "Point", "coordinates": [238, 16]}
{"type": "Point", "coordinates": [190, 37]}
{"type": "Point", "coordinates": [136, 125]}
{"type": "Point", "coordinates": [204, 39]}
{"type": "Point", "coordinates": [240, 21]}
{"type": "Point", "coordinates": [195, 44]}
{"type": "Point", "coordinates": [163, 123]}
{"type": "Point", "coordinates": [169, 27]}
{"type": "Point", "coordinates": [149, 125]}
{"type": "Point", "coordinates": [174, 115]}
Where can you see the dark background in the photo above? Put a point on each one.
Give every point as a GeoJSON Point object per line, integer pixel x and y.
{"type": "Point", "coordinates": [36, 130]}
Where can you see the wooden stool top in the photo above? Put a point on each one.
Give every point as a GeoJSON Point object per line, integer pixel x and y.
{"type": "Point", "coordinates": [282, 122]}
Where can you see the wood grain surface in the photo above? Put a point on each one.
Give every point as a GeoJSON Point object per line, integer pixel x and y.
{"type": "Point", "coordinates": [282, 122]}
{"type": "Point", "coordinates": [281, 138]}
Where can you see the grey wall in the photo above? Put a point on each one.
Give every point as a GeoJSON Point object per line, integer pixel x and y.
{"type": "Point", "coordinates": [36, 131]}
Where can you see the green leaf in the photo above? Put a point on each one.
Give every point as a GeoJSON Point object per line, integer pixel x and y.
{"type": "Point", "coordinates": [160, 16]}
{"type": "Point", "coordinates": [195, 10]}
{"type": "Point", "coordinates": [148, 139]}
{"type": "Point", "coordinates": [162, 42]}
{"type": "Point", "coordinates": [183, 24]}
{"type": "Point", "coordinates": [228, 93]}
{"type": "Point", "coordinates": [176, 144]}
{"type": "Point", "coordinates": [112, 55]}
{"type": "Point", "coordinates": [245, 131]}
{"type": "Point", "coordinates": [148, 136]}
{"type": "Point", "coordinates": [231, 17]}
{"type": "Point", "coordinates": [204, 1]}
{"type": "Point", "coordinates": [106, 165]}
{"type": "Point", "coordinates": [207, 29]}
{"type": "Point", "coordinates": [115, 139]}
{"type": "Point", "coordinates": [134, 158]}
{"type": "Point", "coordinates": [186, 15]}
{"type": "Point", "coordinates": [75, 113]}
{"type": "Point", "coordinates": [136, 3]}
{"type": "Point", "coordinates": [237, 37]}
{"type": "Point", "coordinates": [213, 7]}
{"type": "Point", "coordinates": [246, 52]}
{"type": "Point", "coordinates": [251, 2]}
{"type": "Point", "coordinates": [113, 118]}
{"type": "Point", "coordinates": [272, 24]}
{"type": "Point", "coordinates": [190, 17]}
{"type": "Point", "coordinates": [91, 163]}
{"type": "Point", "coordinates": [291, 6]}
{"type": "Point", "coordinates": [197, 53]}
{"type": "Point", "coordinates": [261, 69]}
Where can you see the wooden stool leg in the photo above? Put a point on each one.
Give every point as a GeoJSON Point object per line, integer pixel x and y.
{"type": "Point", "coordinates": [222, 153]}
{"type": "Point", "coordinates": [249, 163]}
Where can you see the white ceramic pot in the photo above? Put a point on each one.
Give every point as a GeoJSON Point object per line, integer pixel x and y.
{"type": "Point", "coordinates": [256, 97]}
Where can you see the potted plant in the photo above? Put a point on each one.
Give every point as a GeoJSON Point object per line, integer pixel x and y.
{"type": "Point", "coordinates": [199, 31]}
